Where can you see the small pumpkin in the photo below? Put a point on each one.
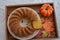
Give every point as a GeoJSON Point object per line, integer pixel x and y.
{"type": "Point", "coordinates": [46, 10]}
{"type": "Point", "coordinates": [44, 34]}
{"type": "Point", "coordinates": [37, 24]}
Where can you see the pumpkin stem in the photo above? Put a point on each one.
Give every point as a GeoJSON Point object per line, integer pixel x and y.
{"type": "Point", "coordinates": [47, 7]}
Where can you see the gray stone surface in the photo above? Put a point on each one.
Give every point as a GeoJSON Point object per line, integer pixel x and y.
{"type": "Point", "coordinates": [3, 3]}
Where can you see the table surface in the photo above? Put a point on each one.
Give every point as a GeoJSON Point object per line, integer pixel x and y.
{"type": "Point", "coordinates": [3, 3]}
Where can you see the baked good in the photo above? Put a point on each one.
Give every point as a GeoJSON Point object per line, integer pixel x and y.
{"type": "Point", "coordinates": [16, 16]}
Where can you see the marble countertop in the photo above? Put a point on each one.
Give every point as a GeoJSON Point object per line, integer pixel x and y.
{"type": "Point", "coordinates": [3, 3]}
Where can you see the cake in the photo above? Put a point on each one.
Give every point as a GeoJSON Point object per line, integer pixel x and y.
{"type": "Point", "coordinates": [16, 16]}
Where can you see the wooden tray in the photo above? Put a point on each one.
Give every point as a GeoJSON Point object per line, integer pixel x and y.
{"type": "Point", "coordinates": [36, 7]}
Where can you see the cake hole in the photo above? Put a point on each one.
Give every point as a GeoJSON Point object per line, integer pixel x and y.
{"type": "Point", "coordinates": [24, 22]}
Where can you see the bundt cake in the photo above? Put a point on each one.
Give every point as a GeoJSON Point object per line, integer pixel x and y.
{"type": "Point", "coordinates": [16, 16]}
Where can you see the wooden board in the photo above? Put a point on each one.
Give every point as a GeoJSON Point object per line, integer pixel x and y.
{"type": "Point", "coordinates": [36, 7]}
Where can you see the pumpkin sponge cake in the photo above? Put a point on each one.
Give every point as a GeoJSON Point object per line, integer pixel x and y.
{"type": "Point", "coordinates": [16, 16]}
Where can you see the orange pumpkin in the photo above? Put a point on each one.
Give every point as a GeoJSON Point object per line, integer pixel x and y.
{"type": "Point", "coordinates": [46, 10]}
